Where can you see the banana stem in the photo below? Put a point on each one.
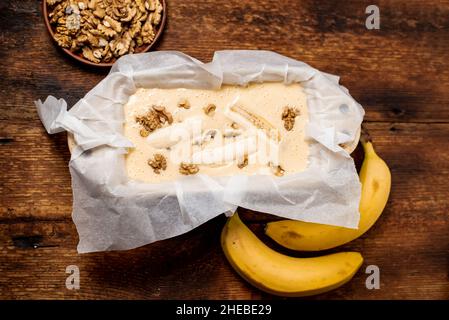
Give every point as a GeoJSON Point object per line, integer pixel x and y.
{"type": "Point", "coordinates": [368, 148]}
{"type": "Point", "coordinates": [366, 141]}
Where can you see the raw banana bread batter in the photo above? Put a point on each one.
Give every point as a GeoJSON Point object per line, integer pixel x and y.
{"type": "Point", "coordinates": [258, 129]}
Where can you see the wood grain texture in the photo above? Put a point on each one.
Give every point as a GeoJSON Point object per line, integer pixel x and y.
{"type": "Point", "coordinates": [400, 74]}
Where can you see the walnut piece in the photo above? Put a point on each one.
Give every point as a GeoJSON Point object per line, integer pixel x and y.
{"type": "Point", "coordinates": [73, 22]}
{"type": "Point", "coordinates": [120, 46]}
{"type": "Point", "coordinates": [184, 103]}
{"type": "Point", "coordinates": [164, 114]}
{"type": "Point", "coordinates": [89, 55]}
{"type": "Point", "coordinates": [243, 163]}
{"type": "Point", "coordinates": [158, 163]}
{"type": "Point", "coordinates": [53, 2]}
{"type": "Point", "coordinates": [277, 170]}
{"type": "Point", "coordinates": [154, 119]}
{"type": "Point", "coordinates": [210, 109]}
{"type": "Point", "coordinates": [144, 132]}
{"type": "Point", "coordinates": [100, 30]}
{"type": "Point", "coordinates": [111, 23]}
{"type": "Point", "coordinates": [62, 40]}
{"type": "Point", "coordinates": [288, 116]}
{"type": "Point", "coordinates": [188, 169]}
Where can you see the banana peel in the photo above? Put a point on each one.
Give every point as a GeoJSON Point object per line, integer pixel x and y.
{"type": "Point", "coordinates": [375, 178]}
{"type": "Point", "coordinates": [280, 274]}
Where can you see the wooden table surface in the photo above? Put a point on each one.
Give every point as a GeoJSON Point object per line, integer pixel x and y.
{"type": "Point", "coordinates": [400, 74]}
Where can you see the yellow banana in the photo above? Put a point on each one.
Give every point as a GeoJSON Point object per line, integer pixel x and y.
{"type": "Point", "coordinates": [282, 275]}
{"type": "Point", "coordinates": [376, 182]}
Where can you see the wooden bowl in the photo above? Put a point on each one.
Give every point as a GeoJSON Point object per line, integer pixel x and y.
{"type": "Point", "coordinates": [81, 59]}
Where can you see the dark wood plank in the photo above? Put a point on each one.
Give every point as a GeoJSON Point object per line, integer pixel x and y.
{"type": "Point", "coordinates": [35, 182]}
{"type": "Point", "coordinates": [36, 255]}
{"type": "Point", "coordinates": [400, 72]}
{"type": "Point", "coordinates": [159, 270]}
{"type": "Point", "coordinates": [409, 242]}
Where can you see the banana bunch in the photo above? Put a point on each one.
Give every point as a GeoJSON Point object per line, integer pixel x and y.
{"type": "Point", "coordinates": [283, 275]}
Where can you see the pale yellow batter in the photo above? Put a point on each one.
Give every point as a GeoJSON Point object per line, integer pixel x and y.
{"type": "Point", "coordinates": [266, 100]}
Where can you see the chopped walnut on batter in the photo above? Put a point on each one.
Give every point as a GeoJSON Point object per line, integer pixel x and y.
{"type": "Point", "coordinates": [184, 103]}
{"type": "Point", "coordinates": [209, 110]}
{"type": "Point", "coordinates": [158, 163]}
{"type": "Point", "coordinates": [243, 163]}
{"type": "Point", "coordinates": [288, 116]}
{"type": "Point", "coordinates": [154, 119]}
{"type": "Point", "coordinates": [277, 169]}
{"type": "Point", "coordinates": [188, 169]}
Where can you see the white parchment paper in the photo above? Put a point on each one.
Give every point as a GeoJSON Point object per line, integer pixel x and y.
{"type": "Point", "coordinates": [112, 212]}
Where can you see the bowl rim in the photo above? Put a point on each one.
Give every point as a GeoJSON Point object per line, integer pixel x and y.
{"type": "Point", "coordinates": [107, 64]}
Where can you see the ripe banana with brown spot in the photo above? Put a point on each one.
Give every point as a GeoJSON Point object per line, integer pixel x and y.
{"type": "Point", "coordinates": [375, 177]}
{"type": "Point", "coordinates": [282, 275]}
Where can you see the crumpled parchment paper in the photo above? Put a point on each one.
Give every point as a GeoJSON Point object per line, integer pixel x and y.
{"type": "Point", "coordinates": [112, 212]}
